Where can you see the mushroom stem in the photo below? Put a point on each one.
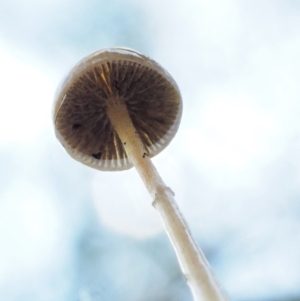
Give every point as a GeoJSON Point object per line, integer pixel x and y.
{"type": "Point", "coordinates": [119, 117]}
{"type": "Point", "coordinates": [191, 259]}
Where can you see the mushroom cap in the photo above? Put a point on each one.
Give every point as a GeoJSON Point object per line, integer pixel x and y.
{"type": "Point", "coordinates": [151, 95]}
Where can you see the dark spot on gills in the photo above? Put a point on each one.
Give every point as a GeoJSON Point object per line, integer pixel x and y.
{"type": "Point", "coordinates": [97, 156]}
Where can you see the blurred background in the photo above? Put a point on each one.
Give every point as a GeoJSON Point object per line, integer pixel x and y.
{"type": "Point", "coordinates": [71, 233]}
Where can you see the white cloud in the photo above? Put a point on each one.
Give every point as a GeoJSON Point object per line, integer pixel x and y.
{"type": "Point", "coordinates": [123, 204]}
{"type": "Point", "coordinates": [29, 222]}
{"type": "Point", "coordinates": [231, 133]}
{"type": "Point", "coordinates": [26, 97]}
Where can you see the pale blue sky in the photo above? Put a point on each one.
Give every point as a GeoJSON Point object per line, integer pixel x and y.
{"type": "Point", "coordinates": [71, 233]}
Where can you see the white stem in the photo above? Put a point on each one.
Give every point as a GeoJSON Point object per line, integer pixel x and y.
{"type": "Point", "coordinates": [191, 259]}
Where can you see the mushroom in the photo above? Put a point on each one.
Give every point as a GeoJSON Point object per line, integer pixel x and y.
{"type": "Point", "coordinates": [117, 109]}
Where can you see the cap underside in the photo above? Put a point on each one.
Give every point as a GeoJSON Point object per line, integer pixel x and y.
{"type": "Point", "coordinates": [82, 125]}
